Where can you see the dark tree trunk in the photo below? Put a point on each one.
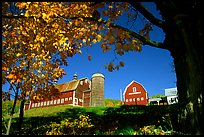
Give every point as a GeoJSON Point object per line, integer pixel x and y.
{"type": "Point", "coordinates": [21, 115]}
{"type": "Point", "coordinates": [184, 39]}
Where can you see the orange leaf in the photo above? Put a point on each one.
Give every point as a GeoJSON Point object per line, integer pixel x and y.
{"type": "Point", "coordinates": [89, 57]}
{"type": "Point", "coordinates": [10, 76]}
{"type": "Point", "coordinates": [121, 64]}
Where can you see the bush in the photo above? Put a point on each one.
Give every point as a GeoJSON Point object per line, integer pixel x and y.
{"type": "Point", "coordinates": [124, 131]}
{"type": "Point", "coordinates": [80, 126]}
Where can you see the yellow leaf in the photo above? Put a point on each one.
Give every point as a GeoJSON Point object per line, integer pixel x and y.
{"type": "Point", "coordinates": [94, 41]}
{"type": "Point", "coordinates": [100, 20]}
{"type": "Point", "coordinates": [110, 7]}
{"type": "Point", "coordinates": [18, 54]}
{"type": "Point", "coordinates": [26, 14]}
{"type": "Point", "coordinates": [99, 37]}
{"type": "Point", "coordinates": [133, 41]}
{"type": "Point", "coordinates": [44, 16]}
{"type": "Point", "coordinates": [42, 38]}
{"type": "Point", "coordinates": [84, 40]}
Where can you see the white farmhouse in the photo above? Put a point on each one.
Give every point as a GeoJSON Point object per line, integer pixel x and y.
{"type": "Point", "coordinates": [171, 95]}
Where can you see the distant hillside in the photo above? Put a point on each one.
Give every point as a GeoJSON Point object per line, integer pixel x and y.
{"type": "Point", "coordinates": [112, 102]}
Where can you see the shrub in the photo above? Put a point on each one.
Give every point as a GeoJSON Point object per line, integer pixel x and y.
{"type": "Point", "coordinates": [80, 126]}
{"type": "Point", "coordinates": [150, 130]}
{"type": "Point", "coordinates": [124, 131]}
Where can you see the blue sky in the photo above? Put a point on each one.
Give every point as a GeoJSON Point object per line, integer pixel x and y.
{"type": "Point", "coordinates": [152, 67]}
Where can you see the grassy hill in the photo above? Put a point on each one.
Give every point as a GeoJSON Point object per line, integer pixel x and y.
{"type": "Point", "coordinates": [53, 110]}
{"type": "Point", "coordinates": [107, 120]}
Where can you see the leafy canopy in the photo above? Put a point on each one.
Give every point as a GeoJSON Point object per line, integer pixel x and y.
{"type": "Point", "coordinates": [38, 37]}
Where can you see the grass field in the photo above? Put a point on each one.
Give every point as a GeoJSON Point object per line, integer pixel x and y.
{"type": "Point", "coordinates": [114, 120]}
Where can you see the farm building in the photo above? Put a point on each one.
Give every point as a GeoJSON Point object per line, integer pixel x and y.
{"type": "Point", "coordinates": [78, 92]}
{"type": "Point", "coordinates": [135, 94]}
{"type": "Point", "coordinates": [170, 97]}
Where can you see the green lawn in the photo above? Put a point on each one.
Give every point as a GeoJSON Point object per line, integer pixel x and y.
{"type": "Point", "coordinates": [104, 120]}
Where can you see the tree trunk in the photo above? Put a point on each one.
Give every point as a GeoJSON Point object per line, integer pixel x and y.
{"type": "Point", "coordinates": [12, 112]}
{"type": "Point", "coordinates": [21, 115]}
{"type": "Point", "coordinates": [184, 38]}
{"type": "Point", "coordinates": [190, 93]}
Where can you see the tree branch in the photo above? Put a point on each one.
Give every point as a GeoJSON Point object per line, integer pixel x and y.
{"type": "Point", "coordinates": [138, 6]}
{"type": "Point", "coordinates": [132, 33]}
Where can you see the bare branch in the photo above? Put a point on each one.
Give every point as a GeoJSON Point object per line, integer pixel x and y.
{"type": "Point", "coordinates": [138, 6]}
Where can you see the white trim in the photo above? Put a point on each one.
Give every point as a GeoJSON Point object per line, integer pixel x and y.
{"type": "Point", "coordinates": [73, 102]}
{"type": "Point", "coordinates": [83, 99]}
{"type": "Point", "coordinates": [90, 102]}
{"type": "Point", "coordinates": [135, 93]}
{"type": "Point", "coordinates": [134, 89]}
{"type": "Point", "coordinates": [29, 105]}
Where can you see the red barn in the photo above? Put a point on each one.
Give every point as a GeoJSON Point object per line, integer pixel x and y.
{"type": "Point", "coordinates": [78, 92]}
{"type": "Point", "coordinates": [135, 94]}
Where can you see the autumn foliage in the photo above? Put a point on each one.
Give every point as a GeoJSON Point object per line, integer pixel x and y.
{"type": "Point", "coordinates": [38, 37]}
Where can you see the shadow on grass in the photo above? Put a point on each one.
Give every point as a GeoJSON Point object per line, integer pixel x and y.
{"type": "Point", "coordinates": [104, 119]}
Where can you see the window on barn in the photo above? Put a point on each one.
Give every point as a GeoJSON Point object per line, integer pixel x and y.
{"type": "Point", "coordinates": [62, 100]}
{"type": "Point", "coordinates": [51, 102]}
{"type": "Point", "coordinates": [138, 99]}
{"type": "Point", "coordinates": [70, 98]}
{"type": "Point", "coordinates": [142, 98]}
{"type": "Point", "coordinates": [45, 103]}
{"type": "Point", "coordinates": [48, 102]}
{"type": "Point", "coordinates": [55, 101]}
{"type": "Point", "coordinates": [58, 101]}
{"type": "Point", "coordinates": [130, 99]}
{"type": "Point", "coordinates": [134, 89]}
{"type": "Point", "coordinates": [38, 104]}
{"type": "Point", "coordinates": [80, 100]}
{"type": "Point", "coordinates": [66, 99]}
{"type": "Point", "coordinates": [126, 100]}
{"type": "Point", "coordinates": [134, 99]}
{"type": "Point", "coordinates": [33, 105]}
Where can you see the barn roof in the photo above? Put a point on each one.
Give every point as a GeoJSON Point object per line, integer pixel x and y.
{"type": "Point", "coordinates": [68, 86]}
